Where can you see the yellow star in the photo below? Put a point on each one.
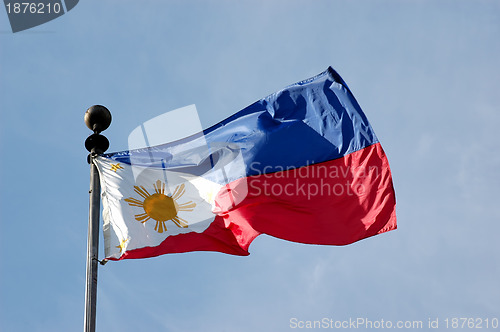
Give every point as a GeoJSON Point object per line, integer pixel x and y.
{"type": "Point", "coordinates": [121, 246]}
{"type": "Point", "coordinates": [115, 167]}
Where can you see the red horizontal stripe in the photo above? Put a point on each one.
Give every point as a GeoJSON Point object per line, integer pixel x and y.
{"type": "Point", "coordinates": [336, 202]}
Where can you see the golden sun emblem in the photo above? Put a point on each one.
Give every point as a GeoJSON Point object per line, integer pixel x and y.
{"type": "Point", "coordinates": [161, 207]}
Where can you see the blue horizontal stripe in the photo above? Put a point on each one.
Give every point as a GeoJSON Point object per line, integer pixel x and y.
{"type": "Point", "coordinates": [311, 121]}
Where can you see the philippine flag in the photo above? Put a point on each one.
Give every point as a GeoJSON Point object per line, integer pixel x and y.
{"type": "Point", "coordinates": [302, 164]}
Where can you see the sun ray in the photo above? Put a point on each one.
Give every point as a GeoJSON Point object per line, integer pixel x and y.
{"type": "Point", "coordinates": [160, 226]}
{"type": "Point", "coordinates": [180, 222]}
{"type": "Point", "coordinates": [143, 217]}
{"type": "Point", "coordinates": [188, 206]}
{"type": "Point", "coordinates": [159, 187]}
{"type": "Point", "coordinates": [142, 191]}
{"type": "Point", "coordinates": [179, 191]}
{"type": "Point", "coordinates": [133, 201]}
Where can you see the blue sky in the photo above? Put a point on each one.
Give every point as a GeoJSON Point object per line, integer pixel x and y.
{"type": "Point", "coordinates": [425, 73]}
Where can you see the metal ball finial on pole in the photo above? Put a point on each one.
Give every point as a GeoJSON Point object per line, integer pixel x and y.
{"type": "Point", "coordinates": [97, 118]}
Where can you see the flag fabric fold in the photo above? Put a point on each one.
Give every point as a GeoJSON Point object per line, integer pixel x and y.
{"type": "Point", "coordinates": [302, 164]}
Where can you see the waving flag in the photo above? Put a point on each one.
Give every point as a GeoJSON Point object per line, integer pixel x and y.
{"type": "Point", "coordinates": [302, 164]}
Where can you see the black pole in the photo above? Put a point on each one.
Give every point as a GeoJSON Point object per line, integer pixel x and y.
{"type": "Point", "coordinates": [97, 118]}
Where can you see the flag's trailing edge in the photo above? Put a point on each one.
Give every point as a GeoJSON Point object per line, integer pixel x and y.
{"type": "Point", "coordinates": [302, 164]}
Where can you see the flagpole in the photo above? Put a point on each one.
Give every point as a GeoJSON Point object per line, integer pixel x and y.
{"type": "Point", "coordinates": [97, 118]}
